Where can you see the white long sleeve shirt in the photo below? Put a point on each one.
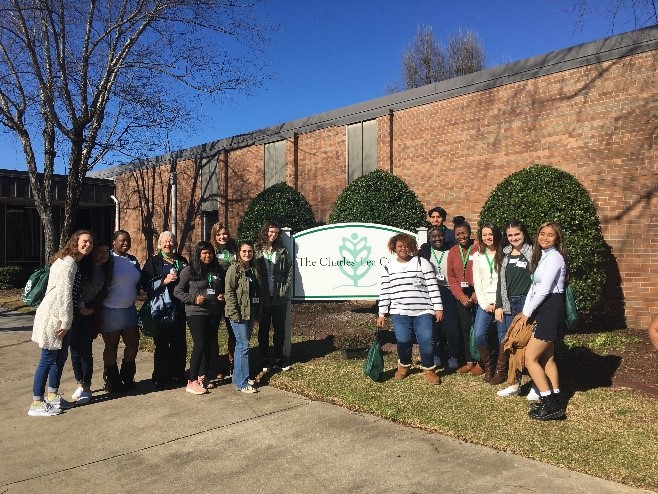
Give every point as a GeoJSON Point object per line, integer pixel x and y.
{"type": "Point", "coordinates": [485, 279]}
{"type": "Point", "coordinates": [549, 277]}
{"type": "Point", "coordinates": [409, 288]}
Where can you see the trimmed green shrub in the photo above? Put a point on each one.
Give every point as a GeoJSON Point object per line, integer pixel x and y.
{"type": "Point", "coordinates": [379, 197]}
{"type": "Point", "coordinates": [9, 276]}
{"type": "Point", "coordinates": [280, 203]}
{"type": "Point", "coordinates": [542, 193]}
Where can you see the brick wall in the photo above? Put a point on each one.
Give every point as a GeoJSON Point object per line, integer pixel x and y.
{"type": "Point", "coordinates": [596, 122]}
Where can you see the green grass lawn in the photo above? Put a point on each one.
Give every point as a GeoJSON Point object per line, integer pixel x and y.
{"type": "Point", "coordinates": [609, 433]}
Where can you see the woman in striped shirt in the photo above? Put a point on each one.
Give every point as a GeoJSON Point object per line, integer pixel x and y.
{"type": "Point", "coordinates": [410, 293]}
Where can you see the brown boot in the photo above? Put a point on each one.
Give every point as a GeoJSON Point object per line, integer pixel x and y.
{"type": "Point", "coordinates": [466, 368]}
{"type": "Point", "coordinates": [476, 370]}
{"type": "Point", "coordinates": [487, 364]}
{"type": "Point", "coordinates": [403, 371]}
{"type": "Point", "coordinates": [500, 376]}
{"type": "Point", "coordinates": [431, 376]}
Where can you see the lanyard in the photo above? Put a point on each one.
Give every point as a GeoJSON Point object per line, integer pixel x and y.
{"type": "Point", "coordinates": [171, 261]}
{"type": "Point", "coordinates": [269, 254]}
{"type": "Point", "coordinates": [532, 276]}
{"type": "Point", "coordinates": [210, 280]}
{"type": "Point", "coordinates": [465, 258]}
{"type": "Point", "coordinates": [489, 262]}
{"type": "Point", "coordinates": [227, 255]}
{"type": "Point", "coordinates": [438, 261]}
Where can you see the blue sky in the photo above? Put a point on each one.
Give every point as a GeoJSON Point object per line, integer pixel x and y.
{"type": "Point", "coordinates": [329, 54]}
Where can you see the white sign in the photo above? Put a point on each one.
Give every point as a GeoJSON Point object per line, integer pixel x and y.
{"type": "Point", "coordinates": [343, 261]}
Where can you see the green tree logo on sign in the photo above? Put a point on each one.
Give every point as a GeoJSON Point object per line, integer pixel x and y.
{"type": "Point", "coordinates": [356, 252]}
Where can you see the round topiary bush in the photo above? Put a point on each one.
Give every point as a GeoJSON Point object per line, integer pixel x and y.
{"type": "Point", "coordinates": [542, 193]}
{"type": "Point", "coordinates": [280, 203]}
{"type": "Point", "coordinates": [379, 197]}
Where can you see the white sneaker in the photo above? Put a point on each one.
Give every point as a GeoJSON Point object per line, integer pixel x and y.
{"type": "Point", "coordinates": [511, 390]}
{"type": "Point", "coordinates": [42, 409]}
{"type": "Point", "coordinates": [532, 395]}
{"type": "Point", "coordinates": [248, 389]}
{"type": "Point", "coordinates": [84, 398]}
{"type": "Point", "coordinates": [76, 394]}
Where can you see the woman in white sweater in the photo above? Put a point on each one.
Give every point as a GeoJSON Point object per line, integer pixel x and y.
{"type": "Point", "coordinates": [545, 305]}
{"type": "Point", "coordinates": [52, 323]}
{"type": "Point", "coordinates": [485, 281]}
{"type": "Point", "coordinates": [410, 293]}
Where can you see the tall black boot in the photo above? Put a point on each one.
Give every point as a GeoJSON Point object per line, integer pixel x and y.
{"type": "Point", "coordinates": [127, 374]}
{"type": "Point", "coordinates": [550, 408]}
{"type": "Point", "coordinates": [112, 379]}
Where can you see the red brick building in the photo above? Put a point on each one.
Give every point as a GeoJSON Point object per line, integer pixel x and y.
{"type": "Point", "coordinates": [591, 110]}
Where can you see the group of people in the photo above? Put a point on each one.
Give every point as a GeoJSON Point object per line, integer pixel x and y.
{"type": "Point", "coordinates": [92, 289]}
{"type": "Point", "coordinates": [455, 289]}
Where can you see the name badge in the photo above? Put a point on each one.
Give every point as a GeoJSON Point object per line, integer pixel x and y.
{"type": "Point", "coordinates": [464, 284]}
{"type": "Point", "coordinates": [255, 300]}
{"type": "Point", "coordinates": [513, 261]}
{"type": "Point", "coordinates": [210, 291]}
{"type": "Point", "coordinates": [491, 289]}
{"type": "Point", "coordinates": [521, 264]}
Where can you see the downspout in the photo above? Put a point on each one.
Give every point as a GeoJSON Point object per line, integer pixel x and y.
{"type": "Point", "coordinates": [174, 201]}
{"type": "Point", "coordinates": [116, 212]}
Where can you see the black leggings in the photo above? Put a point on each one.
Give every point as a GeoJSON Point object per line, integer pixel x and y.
{"type": "Point", "coordinates": [201, 328]}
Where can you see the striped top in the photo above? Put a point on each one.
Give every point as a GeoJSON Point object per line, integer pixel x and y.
{"type": "Point", "coordinates": [409, 288]}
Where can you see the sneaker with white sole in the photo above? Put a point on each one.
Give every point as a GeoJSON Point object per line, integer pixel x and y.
{"type": "Point", "coordinates": [511, 390]}
{"type": "Point", "coordinates": [248, 389]}
{"type": "Point", "coordinates": [77, 393]}
{"type": "Point", "coordinates": [42, 409]}
{"type": "Point", "coordinates": [532, 395]}
{"type": "Point", "coordinates": [195, 388]}
{"type": "Point", "coordinates": [84, 398]}
{"type": "Point", "coordinates": [58, 401]}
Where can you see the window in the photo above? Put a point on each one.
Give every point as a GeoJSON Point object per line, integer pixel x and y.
{"type": "Point", "coordinates": [275, 163]}
{"type": "Point", "coordinates": [361, 149]}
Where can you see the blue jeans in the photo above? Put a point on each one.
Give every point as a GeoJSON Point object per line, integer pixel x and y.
{"type": "Point", "coordinates": [50, 368]}
{"type": "Point", "coordinates": [483, 321]}
{"type": "Point", "coordinates": [448, 328]}
{"type": "Point", "coordinates": [516, 305]}
{"type": "Point", "coordinates": [242, 331]}
{"type": "Point", "coordinates": [405, 327]}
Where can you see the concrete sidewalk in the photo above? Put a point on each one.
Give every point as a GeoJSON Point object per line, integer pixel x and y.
{"type": "Point", "coordinates": [271, 442]}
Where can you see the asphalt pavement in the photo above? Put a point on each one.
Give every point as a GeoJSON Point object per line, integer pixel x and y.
{"type": "Point", "coordinates": [271, 442]}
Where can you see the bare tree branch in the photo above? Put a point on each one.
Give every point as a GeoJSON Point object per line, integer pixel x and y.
{"type": "Point", "coordinates": [426, 61]}
{"type": "Point", "coordinates": [83, 79]}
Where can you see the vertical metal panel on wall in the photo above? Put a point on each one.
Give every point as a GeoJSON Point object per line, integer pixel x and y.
{"type": "Point", "coordinates": [361, 149]}
{"type": "Point", "coordinates": [369, 146]}
{"type": "Point", "coordinates": [209, 193]}
{"type": "Point", "coordinates": [274, 163]}
{"type": "Point", "coordinates": [354, 151]}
